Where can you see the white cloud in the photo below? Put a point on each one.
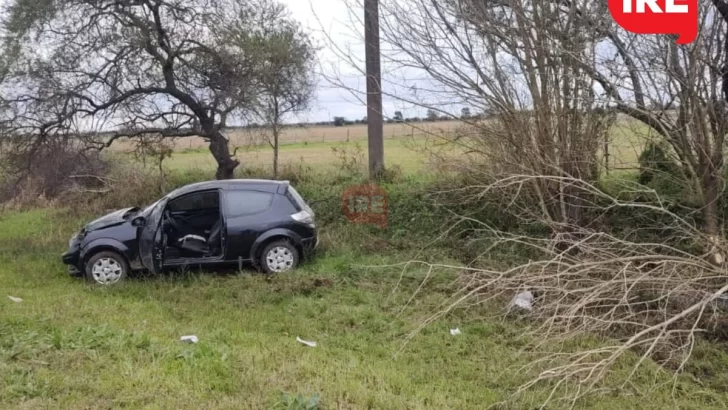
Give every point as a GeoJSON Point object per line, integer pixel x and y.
{"type": "Point", "coordinates": [338, 28]}
{"type": "Point", "coordinates": [332, 27]}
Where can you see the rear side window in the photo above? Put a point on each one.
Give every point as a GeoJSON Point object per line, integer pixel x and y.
{"type": "Point", "coordinates": [240, 203]}
{"type": "Point", "coordinates": [296, 198]}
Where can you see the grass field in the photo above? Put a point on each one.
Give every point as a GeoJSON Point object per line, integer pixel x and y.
{"type": "Point", "coordinates": [72, 345]}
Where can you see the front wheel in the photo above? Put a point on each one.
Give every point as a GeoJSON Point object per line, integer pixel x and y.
{"type": "Point", "coordinates": [106, 268]}
{"type": "Point", "coordinates": [279, 256]}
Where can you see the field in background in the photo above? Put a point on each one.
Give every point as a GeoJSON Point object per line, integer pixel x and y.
{"type": "Point", "coordinates": [407, 147]}
{"type": "Point", "coordinates": [319, 134]}
{"type": "Point", "coordinates": [409, 154]}
{"type": "Point", "coordinates": [628, 139]}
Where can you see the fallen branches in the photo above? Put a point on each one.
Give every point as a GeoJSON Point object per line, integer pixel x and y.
{"type": "Point", "coordinates": [641, 294]}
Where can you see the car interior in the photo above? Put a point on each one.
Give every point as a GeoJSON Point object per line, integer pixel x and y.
{"type": "Point", "coordinates": [193, 226]}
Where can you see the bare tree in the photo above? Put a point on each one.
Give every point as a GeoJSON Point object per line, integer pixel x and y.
{"type": "Point", "coordinates": [287, 84]}
{"type": "Point", "coordinates": [432, 115]}
{"type": "Point", "coordinates": [674, 90]}
{"type": "Point", "coordinates": [137, 67]}
{"type": "Point", "coordinates": [465, 113]}
{"type": "Point", "coordinates": [538, 64]}
{"type": "Point", "coordinates": [523, 62]}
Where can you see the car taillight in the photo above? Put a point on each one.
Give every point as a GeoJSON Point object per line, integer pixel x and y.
{"type": "Point", "coordinates": [303, 217]}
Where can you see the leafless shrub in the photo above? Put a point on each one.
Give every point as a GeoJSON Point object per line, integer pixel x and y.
{"type": "Point", "coordinates": [645, 296]}
{"type": "Point", "coordinates": [47, 168]}
{"type": "Point", "coordinates": [127, 185]}
{"type": "Point", "coordinates": [157, 149]}
{"type": "Point", "coordinates": [523, 65]}
{"type": "Point", "coordinates": [57, 171]}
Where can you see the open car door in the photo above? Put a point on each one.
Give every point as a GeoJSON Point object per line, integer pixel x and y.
{"type": "Point", "coordinates": [151, 239]}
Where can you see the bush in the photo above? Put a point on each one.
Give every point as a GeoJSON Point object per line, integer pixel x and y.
{"type": "Point", "coordinates": [42, 172]}
{"type": "Point", "coordinates": [659, 172]}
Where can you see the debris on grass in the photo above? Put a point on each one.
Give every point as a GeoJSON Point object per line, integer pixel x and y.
{"type": "Point", "coordinates": [14, 299]}
{"type": "Point", "coordinates": [189, 339]}
{"type": "Point", "coordinates": [306, 342]}
{"type": "Point", "coordinates": [523, 301]}
{"type": "Point", "coordinates": [456, 331]}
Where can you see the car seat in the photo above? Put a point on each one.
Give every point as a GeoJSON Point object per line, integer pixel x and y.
{"type": "Point", "coordinates": [198, 245]}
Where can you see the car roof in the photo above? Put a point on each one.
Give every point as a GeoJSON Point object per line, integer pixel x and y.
{"type": "Point", "coordinates": [264, 185]}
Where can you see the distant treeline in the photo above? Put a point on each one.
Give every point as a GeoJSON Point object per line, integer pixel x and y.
{"type": "Point", "coordinates": [343, 121]}
{"type": "Point", "coordinates": [432, 116]}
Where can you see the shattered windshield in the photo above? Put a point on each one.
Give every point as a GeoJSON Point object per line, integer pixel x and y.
{"type": "Point", "coordinates": [148, 210]}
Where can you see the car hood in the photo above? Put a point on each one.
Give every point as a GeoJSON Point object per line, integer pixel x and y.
{"type": "Point", "coordinates": [115, 218]}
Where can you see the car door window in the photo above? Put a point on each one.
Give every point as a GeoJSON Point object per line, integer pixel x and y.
{"type": "Point", "coordinates": [202, 200]}
{"type": "Point", "coordinates": [240, 203]}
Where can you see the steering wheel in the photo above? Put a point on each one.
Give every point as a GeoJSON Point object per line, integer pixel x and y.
{"type": "Point", "coordinates": [171, 221]}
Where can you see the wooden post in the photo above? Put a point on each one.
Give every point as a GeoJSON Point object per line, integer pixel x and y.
{"type": "Point", "coordinates": [375, 121]}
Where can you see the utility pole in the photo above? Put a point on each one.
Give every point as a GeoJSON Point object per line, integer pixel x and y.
{"type": "Point", "coordinates": [374, 89]}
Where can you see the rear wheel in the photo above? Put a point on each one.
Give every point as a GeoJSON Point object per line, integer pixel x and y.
{"type": "Point", "coordinates": [279, 256]}
{"type": "Point", "coordinates": [106, 268]}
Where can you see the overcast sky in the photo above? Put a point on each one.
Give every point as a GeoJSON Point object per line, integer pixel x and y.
{"type": "Point", "coordinates": [327, 19]}
{"type": "Point", "coordinates": [336, 32]}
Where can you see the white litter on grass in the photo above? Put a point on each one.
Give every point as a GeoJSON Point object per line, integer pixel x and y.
{"type": "Point", "coordinates": [189, 339]}
{"type": "Point", "coordinates": [306, 342]}
{"type": "Point", "coordinates": [14, 299]}
{"type": "Point", "coordinates": [455, 331]}
{"type": "Point", "coordinates": [524, 301]}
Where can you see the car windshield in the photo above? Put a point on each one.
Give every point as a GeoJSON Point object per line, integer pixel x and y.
{"type": "Point", "coordinates": [148, 210]}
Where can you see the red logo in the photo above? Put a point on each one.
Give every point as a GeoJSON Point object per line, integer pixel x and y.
{"type": "Point", "coordinates": [365, 204]}
{"type": "Point", "coordinates": [658, 17]}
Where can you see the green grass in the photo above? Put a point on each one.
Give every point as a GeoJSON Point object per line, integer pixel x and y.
{"type": "Point", "coordinates": [73, 345]}
{"type": "Point", "coordinates": [628, 138]}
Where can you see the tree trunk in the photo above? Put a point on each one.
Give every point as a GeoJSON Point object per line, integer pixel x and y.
{"type": "Point", "coordinates": [226, 164]}
{"type": "Point", "coordinates": [710, 211]}
{"type": "Point", "coordinates": [711, 193]}
{"type": "Point", "coordinates": [275, 155]}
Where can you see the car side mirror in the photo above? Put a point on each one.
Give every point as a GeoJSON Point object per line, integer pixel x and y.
{"type": "Point", "coordinates": [138, 222]}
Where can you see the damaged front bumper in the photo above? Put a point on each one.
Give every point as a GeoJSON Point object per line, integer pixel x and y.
{"type": "Point", "coordinates": [72, 257]}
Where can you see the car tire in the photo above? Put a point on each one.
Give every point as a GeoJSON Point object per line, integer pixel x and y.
{"type": "Point", "coordinates": [278, 257]}
{"type": "Point", "coordinates": [106, 268]}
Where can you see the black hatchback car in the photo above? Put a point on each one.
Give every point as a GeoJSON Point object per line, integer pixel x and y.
{"type": "Point", "coordinates": [210, 223]}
